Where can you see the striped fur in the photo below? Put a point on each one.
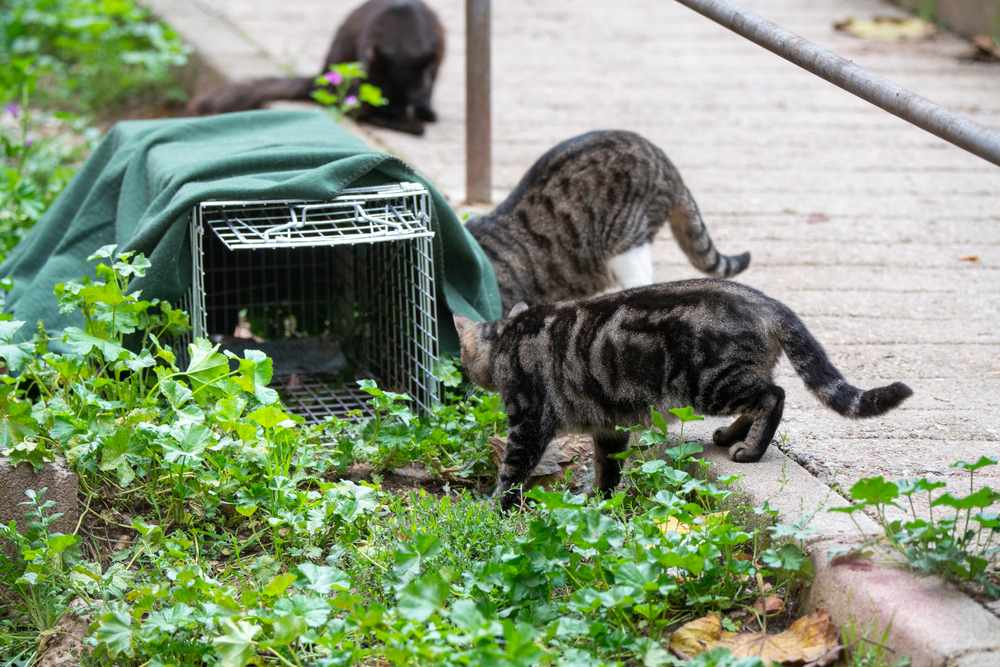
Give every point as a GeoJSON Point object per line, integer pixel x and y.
{"type": "Point", "coordinates": [594, 364]}
{"type": "Point", "coordinates": [586, 201]}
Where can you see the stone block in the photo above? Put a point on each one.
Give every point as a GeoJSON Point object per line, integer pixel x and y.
{"type": "Point", "coordinates": [61, 484]}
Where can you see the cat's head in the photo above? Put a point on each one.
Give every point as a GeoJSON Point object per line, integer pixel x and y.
{"type": "Point", "coordinates": [476, 351]}
{"type": "Point", "coordinates": [476, 342]}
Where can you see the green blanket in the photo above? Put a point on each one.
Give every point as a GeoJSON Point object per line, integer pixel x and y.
{"type": "Point", "coordinates": [139, 186]}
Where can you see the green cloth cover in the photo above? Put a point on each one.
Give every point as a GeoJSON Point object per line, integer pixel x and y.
{"type": "Point", "coordinates": [138, 188]}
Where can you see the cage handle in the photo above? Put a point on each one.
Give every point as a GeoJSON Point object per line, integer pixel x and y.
{"type": "Point", "coordinates": [233, 228]}
{"type": "Point", "coordinates": [288, 226]}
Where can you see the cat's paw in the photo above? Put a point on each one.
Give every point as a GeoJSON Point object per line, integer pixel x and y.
{"type": "Point", "coordinates": [741, 452]}
{"type": "Point", "coordinates": [721, 437]}
{"type": "Point", "coordinates": [425, 114]}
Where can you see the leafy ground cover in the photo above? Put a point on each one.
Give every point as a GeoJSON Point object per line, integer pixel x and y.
{"type": "Point", "coordinates": [218, 529]}
{"type": "Point", "coordinates": [70, 65]}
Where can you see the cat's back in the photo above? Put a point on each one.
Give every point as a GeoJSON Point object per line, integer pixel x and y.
{"type": "Point", "coordinates": [698, 305]}
{"type": "Point", "coordinates": [405, 27]}
{"type": "Point", "coordinates": [572, 168]}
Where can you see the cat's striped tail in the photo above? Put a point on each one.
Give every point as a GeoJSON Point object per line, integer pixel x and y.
{"type": "Point", "coordinates": [692, 236]}
{"type": "Point", "coordinates": [824, 380]}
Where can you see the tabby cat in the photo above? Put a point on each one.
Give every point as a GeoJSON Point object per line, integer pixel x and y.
{"type": "Point", "coordinates": [400, 43]}
{"type": "Point", "coordinates": [594, 364]}
{"type": "Point", "coordinates": [582, 220]}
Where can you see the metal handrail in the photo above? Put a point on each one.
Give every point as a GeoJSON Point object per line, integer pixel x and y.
{"type": "Point", "coordinates": [953, 127]}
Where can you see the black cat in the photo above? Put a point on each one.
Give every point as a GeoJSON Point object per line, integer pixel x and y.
{"type": "Point", "coordinates": [400, 43]}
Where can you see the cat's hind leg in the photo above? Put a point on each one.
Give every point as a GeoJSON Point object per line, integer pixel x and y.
{"type": "Point", "coordinates": [528, 438]}
{"type": "Point", "coordinates": [738, 430]}
{"type": "Point", "coordinates": [634, 267]}
{"type": "Point", "coordinates": [766, 415]}
{"type": "Point", "coordinates": [607, 466]}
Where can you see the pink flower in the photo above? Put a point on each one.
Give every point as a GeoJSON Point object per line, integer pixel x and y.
{"type": "Point", "coordinates": [350, 101]}
{"type": "Point", "coordinates": [334, 77]}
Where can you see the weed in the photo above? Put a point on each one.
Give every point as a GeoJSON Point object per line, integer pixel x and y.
{"type": "Point", "coordinates": [961, 543]}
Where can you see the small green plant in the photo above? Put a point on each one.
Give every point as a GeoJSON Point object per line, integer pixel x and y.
{"type": "Point", "coordinates": [959, 537]}
{"type": "Point", "coordinates": [861, 651]}
{"type": "Point", "coordinates": [344, 89]}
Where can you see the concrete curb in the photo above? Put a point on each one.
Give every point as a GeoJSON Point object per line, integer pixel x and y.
{"type": "Point", "coordinates": [928, 620]}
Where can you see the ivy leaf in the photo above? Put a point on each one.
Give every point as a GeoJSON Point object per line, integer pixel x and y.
{"type": "Point", "coordinates": [420, 598]}
{"type": "Point", "coordinates": [972, 467]}
{"type": "Point", "coordinates": [189, 447]}
{"type": "Point", "coordinates": [104, 252]}
{"type": "Point", "coordinates": [312, 609]}
{"type": "Point", "coordinates": [167, 621]}
{"type": "Point", "coordinates": [178, 394]}
{"type": "Point", "coordinates": [322, 579]}
{"type": "Point", "coordinates": [235, 647]}
{"type": "Point", "coordinates": [787, 557]}
{"type": "Point", "coordinates": [270, 416]}
{"type": "Point", "coordinates": [83, 344]}
{"type": "Point", "coordinates": [982, 498]}
{"type": "Point", "coordinates": [372, 95]}
{"type": "Point", "coordinates": [114, 632]}
{"type": "Point", "coordinates": [13, 354]}
{"type": "Point", "coordinates": [466, 616]}
{"type": "Point", "coordinates": [279, 584]}
{"type": "Point", "coordinates": [686, 414]}
{"type": "Point", "coordinates": [255, 374]}
{"type": "Point", "coordinates": [206, 364]}
{"type": "Point", "coordinates": [874, 491]}
{"type": "Point", "coordinates": [288, 628]}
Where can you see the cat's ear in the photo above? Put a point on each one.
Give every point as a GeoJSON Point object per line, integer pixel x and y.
{"type": "Point", "coordinates": [518, 308]}
{"type": "Point", "coordinates": [462, 324]}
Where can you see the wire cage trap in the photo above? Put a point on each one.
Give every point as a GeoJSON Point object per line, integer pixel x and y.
{"type": "Point", "coordinates": [331, 290]}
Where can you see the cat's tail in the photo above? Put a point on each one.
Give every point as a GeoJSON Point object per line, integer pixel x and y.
{"type": "Point", "coordinates": [825, 381]}
{"type": "Point", "coordinates": [247, 95]}
{"type": "Point", "coordinates": [692, 236]}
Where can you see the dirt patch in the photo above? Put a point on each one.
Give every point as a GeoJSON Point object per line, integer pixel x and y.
{"type": "Point", "coordinates": [62, 646]}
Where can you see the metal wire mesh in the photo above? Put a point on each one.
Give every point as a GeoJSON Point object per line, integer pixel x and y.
{"type": "Point", "coordinates": [331, 287]}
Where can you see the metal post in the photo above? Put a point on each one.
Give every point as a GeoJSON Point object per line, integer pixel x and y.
{"type": "Point", "coordinates": [909, 106]}
{"type": "Point", "coordinates": [478, 149]}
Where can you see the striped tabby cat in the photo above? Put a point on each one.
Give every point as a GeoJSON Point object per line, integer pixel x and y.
{"type": "Point", "coordinates": [582, 220]}
{"type": "Point", "coordinates": [597, 363]}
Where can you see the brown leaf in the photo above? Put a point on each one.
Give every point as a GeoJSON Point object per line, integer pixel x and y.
{"type": "Point", "coordinates": [810, 641]}
{"type": "Point", "coordinates": [697, 636]}
{"type": "Point", "coordinates": [772, 604]}
{"type": "Point", "coordinates": [816, 218]}
{"type": "Point", "coordinates": [969, 258]}
{"type": "Point", "coordinates": [887, 28]}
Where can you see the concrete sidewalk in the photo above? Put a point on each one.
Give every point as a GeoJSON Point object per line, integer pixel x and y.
{"type": "Point", "coordinates": [883, 238]}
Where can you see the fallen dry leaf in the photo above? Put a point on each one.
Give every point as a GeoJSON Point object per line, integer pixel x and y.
{"type": "Point", "coordinates": [697, 636]}
{"type": "Point", "coordinates": [887, 28]}
{"type": "Point", "coordinates": [672, 525]}
{"type": "Point", "coordinates": [810, 641]}
{"type": "Point", "coordinates": [969, 258]}
{"type": "Point", "coordinates": [772, 604]}
{"type": "Point", "coordinates": [816, 218]}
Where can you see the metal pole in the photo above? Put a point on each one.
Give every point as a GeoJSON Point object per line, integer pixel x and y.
{"type": "Point", "coordinates": [478, 158]}
{"type": "Point", "coordinates": [909, 106]}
